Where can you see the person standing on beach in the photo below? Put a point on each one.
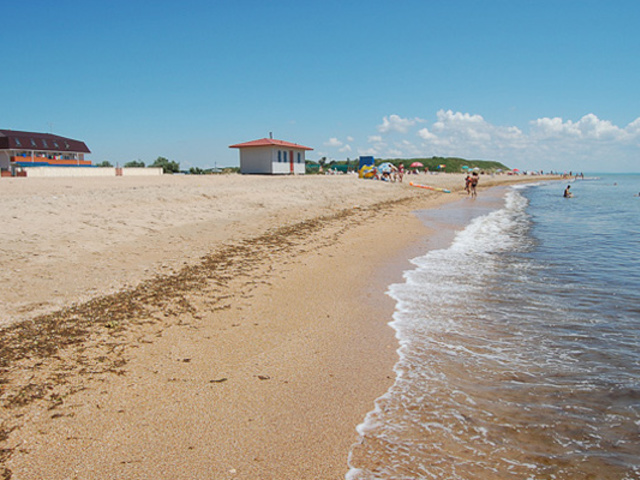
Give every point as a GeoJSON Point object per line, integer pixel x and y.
{"type": "Point", "coordinates": [474, 183]}
{"type": "Point", "coordinates": [467, 184]}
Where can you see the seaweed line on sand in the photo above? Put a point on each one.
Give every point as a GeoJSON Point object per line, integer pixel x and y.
{"type": "Point", "coordinates": [44, 359]}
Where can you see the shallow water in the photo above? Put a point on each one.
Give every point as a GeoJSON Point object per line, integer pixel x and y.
{"type": "Point", "coordinates": [520, 344]}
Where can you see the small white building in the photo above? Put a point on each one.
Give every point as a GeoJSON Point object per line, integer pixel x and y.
{"type": "Point", "coordinates": [270, 156]}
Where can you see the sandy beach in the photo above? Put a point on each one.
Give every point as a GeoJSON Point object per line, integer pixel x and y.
{"type": "Point", "coordinates": [199, 326]}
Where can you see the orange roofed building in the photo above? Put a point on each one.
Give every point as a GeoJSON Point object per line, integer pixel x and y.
{"type": "Point", "coordinates": [271, 157]}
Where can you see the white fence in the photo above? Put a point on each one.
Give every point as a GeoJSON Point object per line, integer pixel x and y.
{"type": "Point", "coordinates": [90, 172]}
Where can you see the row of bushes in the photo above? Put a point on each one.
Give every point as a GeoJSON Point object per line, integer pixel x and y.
{"type": "Point", "coordinates": [167, 165]}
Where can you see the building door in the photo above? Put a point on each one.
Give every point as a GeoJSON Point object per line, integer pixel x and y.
{"type": "Point", "coordinates": [291, 161]}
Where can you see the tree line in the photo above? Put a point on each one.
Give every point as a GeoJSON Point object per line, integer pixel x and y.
{"type": "Point", "coordinates": [168, 166]}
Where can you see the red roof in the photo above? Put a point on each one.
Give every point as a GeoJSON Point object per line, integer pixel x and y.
{"type": "Point", "coordinates": [42, 142]}
{"type": "Point", "coordinates": [265, 142]}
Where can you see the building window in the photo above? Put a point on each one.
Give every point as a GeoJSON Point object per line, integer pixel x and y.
{"type": "Point", "coordinates": [33, 142]}
{"type": "Point", "coordinates": [285, 156]}
{"type": "Point", "coordinates": [44, 142]}
{"type": "Point", "coordinates": [18, 142]}
{"type": "Point", "coordinates": [299, 158]}
{"type": "Point", "coordinates": [55, 144]}
{"type": "Point", "coordinates": [279, 156]}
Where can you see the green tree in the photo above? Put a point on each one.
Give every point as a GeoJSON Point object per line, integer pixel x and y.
{"type": "Point", "coordinates": [167, 165]}
{"type": "Point", "coordinates": [134, 164]}
{"type": "Point", "coordinates": [106, 163]}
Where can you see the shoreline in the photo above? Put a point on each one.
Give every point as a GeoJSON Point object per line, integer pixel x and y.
{"type": "Point", "coordinates": [237, 366]}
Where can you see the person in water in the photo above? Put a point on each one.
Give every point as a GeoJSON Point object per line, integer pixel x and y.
{"type": "Point", "coordinates": [567, 192]}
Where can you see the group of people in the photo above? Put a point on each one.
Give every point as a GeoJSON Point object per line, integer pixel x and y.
{"type": "Point", "coordinates": [470, 184]}
{"type": "Point", "coordinates": [389, 174]}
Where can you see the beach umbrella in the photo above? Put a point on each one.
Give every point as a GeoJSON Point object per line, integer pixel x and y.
{"type": "Point", "coordinates": [464, 167]}
{"type": "Point", "coordinates": [416, 165]}
{"type": "Point", "coordinates": [385, 167]}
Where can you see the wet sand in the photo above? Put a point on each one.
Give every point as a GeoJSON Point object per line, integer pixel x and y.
{"type": "Point", "coordinates": [199, 327]}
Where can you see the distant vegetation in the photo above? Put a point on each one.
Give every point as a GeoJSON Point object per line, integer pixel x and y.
{"type": "Point", "coordinates": [134, 164]}
{"type": "Point", "coordinates": [212, 171]}
{"type": "Point", "coordinates": [451, 164]}
{"type": "Point", "coordinates": [167, 165]}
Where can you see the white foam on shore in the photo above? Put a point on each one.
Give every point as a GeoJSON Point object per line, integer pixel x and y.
{"type": "Point", "coordinates": [440, 278]}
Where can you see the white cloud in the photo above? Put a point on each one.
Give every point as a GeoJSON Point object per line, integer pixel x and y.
{"type": "Point", "coordinates": [588, 127]}
{"type": "Point", "coordinates": [349, 139]}
{"type": "Point", "coordinates": [346, 148]}
{"type": "Point", "coordinates": [368, 151]}
{"type": "Point", "coordinates": [425, 134]}
{"type": "Point", "coordinates": [471, 127]}
{"type": "Point", "coordinates": [633, 129]}
{"type": "Point", "coordinates": [333, 142]}
{"type": "Point", "coordinates": [549, 143]}
{"type": "Point", "coordinates": [395, 123]}
{"type": "Point", "coordinates": [449, 118]}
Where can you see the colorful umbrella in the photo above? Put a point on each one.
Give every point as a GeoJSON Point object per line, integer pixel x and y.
{"type": "Point", "coordinates": [416, 165]}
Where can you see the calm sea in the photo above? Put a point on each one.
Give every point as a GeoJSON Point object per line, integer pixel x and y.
{"type": "Point", "coordinates": [520, 344]}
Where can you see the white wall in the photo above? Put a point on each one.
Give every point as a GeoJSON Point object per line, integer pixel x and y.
{"type": "Point", "coordinates": [285, 167]}
{"type": "Point", "coordinates": [4, 160]}
{"type": "Point", "coordinates": [88, 171]}
{"type": "Point", "coordinates": [140, 172]}
{"type": "Point", "coordinates": [265, 160]}
{"type": "Point", "coordinates": [255, 160]}
{"type": "Point", "coordinates": [70, 172]}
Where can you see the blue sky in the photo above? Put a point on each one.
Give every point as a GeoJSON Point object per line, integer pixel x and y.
{"type": "Point", "coordinates": [534, 84]}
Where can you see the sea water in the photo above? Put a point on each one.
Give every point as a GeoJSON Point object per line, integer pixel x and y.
{"type": "Point", "coordinates": [519, 345]}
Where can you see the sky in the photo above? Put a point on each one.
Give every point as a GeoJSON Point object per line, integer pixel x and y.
{"type": "Point", "coordinates": [537, 85]}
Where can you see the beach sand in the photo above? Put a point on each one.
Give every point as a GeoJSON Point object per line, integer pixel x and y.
{"type": "Point", "coordinates": [199, 326]}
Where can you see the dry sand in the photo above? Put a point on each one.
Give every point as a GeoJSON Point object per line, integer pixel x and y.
{"type": "Point", "coordinates": [198, 326]}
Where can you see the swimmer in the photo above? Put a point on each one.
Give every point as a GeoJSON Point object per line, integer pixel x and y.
{"type": "Point", "coordinates": [567, 192]}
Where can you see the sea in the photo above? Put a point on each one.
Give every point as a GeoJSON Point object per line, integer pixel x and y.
{"type": "Point", "coordinates": [519, 340]}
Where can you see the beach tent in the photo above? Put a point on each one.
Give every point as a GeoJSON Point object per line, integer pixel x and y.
{"type": "Point", "coordinates": [368, 161]}
{"type": "Point", "coordinates": [367, 171]}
